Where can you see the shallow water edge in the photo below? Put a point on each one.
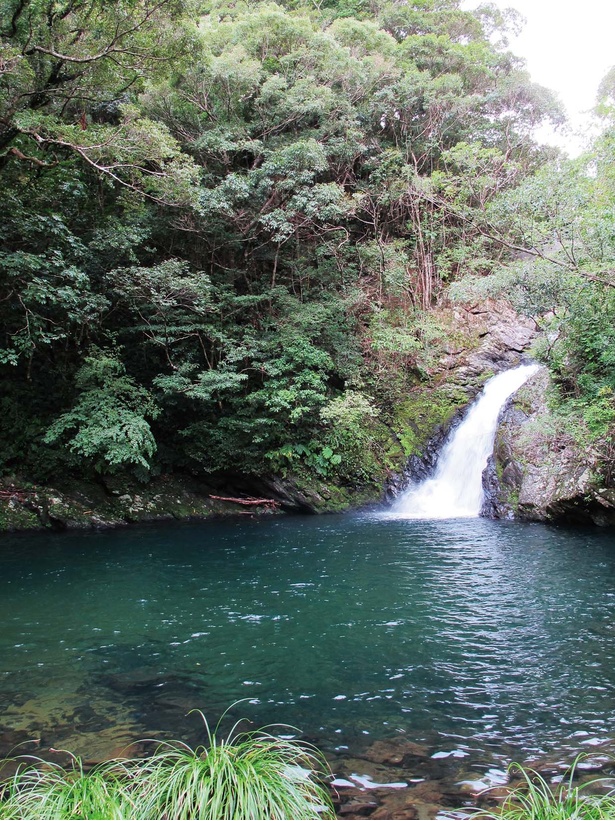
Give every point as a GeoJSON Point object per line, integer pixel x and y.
{"type": "Point", "coordinates": [429, 653]}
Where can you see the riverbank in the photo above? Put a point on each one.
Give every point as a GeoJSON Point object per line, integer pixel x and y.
{"type": "Point", "coordinates": [476, 341]}
{"type": "Point", "coordinates": [100, 505]}
{"type": "Point", "coordinates": [391, 778]}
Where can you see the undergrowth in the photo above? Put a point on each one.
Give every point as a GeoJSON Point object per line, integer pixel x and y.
{"type": "Point", "coordinates": [245, 776]}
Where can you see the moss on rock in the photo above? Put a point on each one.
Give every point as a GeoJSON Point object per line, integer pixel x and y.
{"type": "Point", "coordinates": [15, 516]}
{"type": "Point", "coordinates": [423, 412]}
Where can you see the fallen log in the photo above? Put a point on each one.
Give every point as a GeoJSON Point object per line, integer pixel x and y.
{"type": "Point", "coordinates": [14, 493]}
{"type": "Point", "coordinates": [237, 501]}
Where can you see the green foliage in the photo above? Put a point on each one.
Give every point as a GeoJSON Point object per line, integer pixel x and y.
{"type": "Point", "coordinates": [22, 444]}
{"type": "Point", "coordinates": [600, 413]}
{"type": "Point", "coordinates": [589, 341]}
{"type": "Point", "coordinates": [49, 296]}
{"type": "Point", "coordinates": [560, 219]}
{"type": "Point", "coordinates": [246, 776]}
{"type": "Point", "coordinates": [350, 420]}
{"type": "Point", "coordinates": [534, 287]}
{"type": "Point", "coordinates": [247, 216]}
{"type": "Point", "coordinates": [321, 459]}
{"type": "Point", "coordinates": [107, 424]}
{"type": "Point", "coordinates": [48, 791]}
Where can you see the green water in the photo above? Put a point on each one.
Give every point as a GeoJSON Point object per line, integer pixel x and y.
{"type": "Point", "coordinates": [488, 636]}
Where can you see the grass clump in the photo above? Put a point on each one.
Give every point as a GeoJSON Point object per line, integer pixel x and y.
{"type": "Point", "coordinates": [536, 799]}
{"type": "Point", "coordinates": [44, 790]}
{"type": "Point", "coordinates": [246, 776]}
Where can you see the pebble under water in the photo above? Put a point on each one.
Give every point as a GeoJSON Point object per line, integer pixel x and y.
{"type": "Point", "coordinates": [480, 641]}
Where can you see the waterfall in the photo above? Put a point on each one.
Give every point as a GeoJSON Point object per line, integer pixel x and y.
{"type": "Point", "coordinates": [456, 488]}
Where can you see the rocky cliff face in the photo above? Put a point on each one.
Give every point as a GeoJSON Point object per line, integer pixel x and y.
{"type": "Point", "coordinates": [488, 337]}
{"type": "Point", "coordinates": [539, 472]}
{"type": "Point", "coordinates": [499, 339]}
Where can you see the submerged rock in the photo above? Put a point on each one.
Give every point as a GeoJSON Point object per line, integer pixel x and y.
{"type": "Point", "coordinates": [398, 751]}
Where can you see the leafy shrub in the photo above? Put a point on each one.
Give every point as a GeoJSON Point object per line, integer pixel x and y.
{"type": "Point", "coordinates": [107, 425]}
{"type": "Point", "coordinates": [318, 458]}
{"type": "Point", "coordinates": [351, 419]}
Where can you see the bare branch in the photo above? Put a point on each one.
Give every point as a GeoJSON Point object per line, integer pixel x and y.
{"type": "Point", "coordinates": [111, 48]}
{"type": "Point", "coordinates": [108, 170]}
{"type": "Point", "coordinates": [17, 153]}
{"type": "Point", "coordinates": [599, 278]}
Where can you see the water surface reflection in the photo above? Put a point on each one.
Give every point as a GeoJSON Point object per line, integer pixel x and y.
{"type": "Point", "coordinates": [493, 635]}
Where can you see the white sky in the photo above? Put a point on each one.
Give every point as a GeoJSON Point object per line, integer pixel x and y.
{"type": "Point", "coordinates": [569, 46]}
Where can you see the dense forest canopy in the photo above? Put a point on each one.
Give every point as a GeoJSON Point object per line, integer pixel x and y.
{"type": "Point", "coordinates": [224, 226]}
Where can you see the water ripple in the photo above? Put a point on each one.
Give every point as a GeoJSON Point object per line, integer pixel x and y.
{"type": "Point", "coordinates": [344, 626]}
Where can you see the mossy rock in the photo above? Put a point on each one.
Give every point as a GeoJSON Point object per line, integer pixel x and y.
{"type": "Point", "coordinates": [14, 516]}
{"type": "Point", "coordinates": [417, 418]}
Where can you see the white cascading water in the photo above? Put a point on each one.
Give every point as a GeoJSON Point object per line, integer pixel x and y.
{"type": "Point", "coordinates": [456, 488]}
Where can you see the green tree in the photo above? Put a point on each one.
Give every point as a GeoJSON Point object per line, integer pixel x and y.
{"type": "Point", "coordinates": [248, 215]}
{"type": "Point", "coordinates": [108, 423]}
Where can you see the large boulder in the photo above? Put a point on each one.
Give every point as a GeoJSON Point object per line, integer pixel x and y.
{"type": "Point", "coordinates": [539, 470]}
{"type": "Point", "coordinates": [491, 337]}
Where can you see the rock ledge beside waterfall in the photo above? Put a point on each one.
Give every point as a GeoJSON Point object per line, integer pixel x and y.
{"type": "Point", "coordinates": [538, 471]}
{"type": "Point", "coordinates": [493, 338]}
